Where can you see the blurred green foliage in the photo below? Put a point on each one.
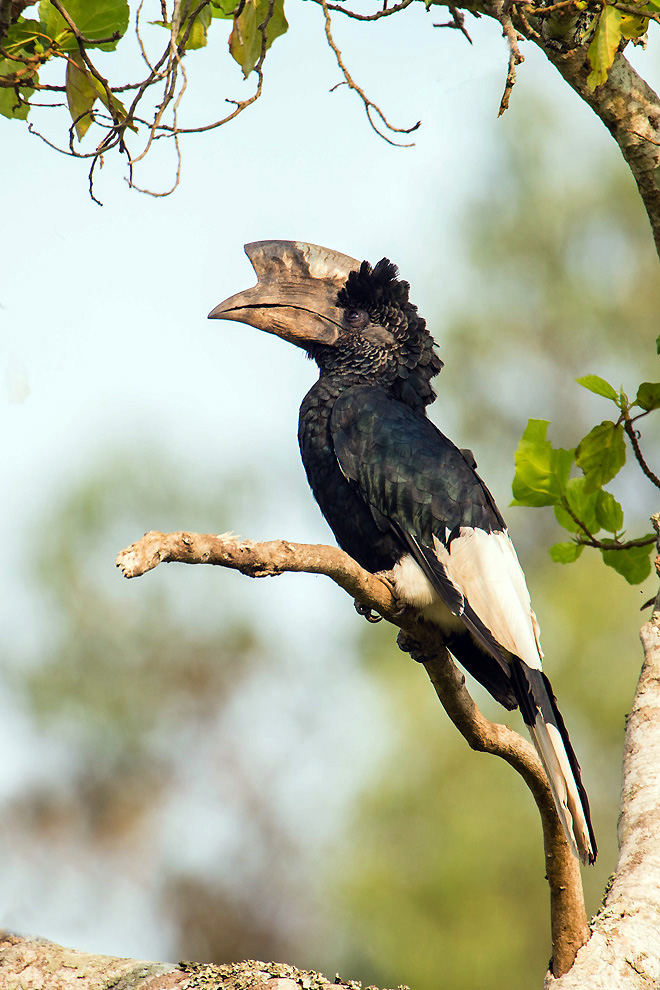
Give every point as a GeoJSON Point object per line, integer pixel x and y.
{"type": "Point", "coordinates": [157, 694]}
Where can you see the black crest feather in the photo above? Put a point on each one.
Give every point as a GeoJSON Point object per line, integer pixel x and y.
{"type": "Point", "coordinates": [380, 292]}
{"type": "Point", "coordinates": [372, 288]}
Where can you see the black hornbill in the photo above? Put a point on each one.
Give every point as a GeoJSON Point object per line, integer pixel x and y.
{"type": "Point", "coordinates": [398, 495]}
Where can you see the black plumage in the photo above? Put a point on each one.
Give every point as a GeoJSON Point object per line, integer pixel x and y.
{"type": "Point", "coordinates": [399, 496]}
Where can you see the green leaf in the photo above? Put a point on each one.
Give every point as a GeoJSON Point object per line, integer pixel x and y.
{"type": "Point", "coordinates": [541, 470]}
{"type": "Point", "coordinates": [648, 396]}
{"type": "Point", "coordinates": [223, 8]}
{"type": "Point", "coordinates": [608, 512]}
{"type": "Point", "coordinates": [601, 454]}
{"type": "Point", "coordinates": [565, 553]}
{"type": "Point", "coordinates": [82, 91]}
{"type": "Point", "coordinates": [634, 564]}
{"type": "Point", "coordinates": [197, 36]}
{"type": "Point", "coordinates": [582, 502]}
{"type": "Point", "coordinates": [94, 19]}
{"type": "Point", "coordinates": [603, 46]}
{"type": "Point", "coordinates": [198, 32]}
{"type": "Point", "coordinates": [10, 104]}
{"type": "Point", "coordinates": [598, 385]}
{"type": "Point", "coordinates": [22, 35]}
{"type": "Point", "coordinates": [246, 39]}
{"type": "Point", "coordinates": [657, 345]}
{"type": "Point", "coordinates": [633, 26]}
{"type": "Point", "coordinates": [81, 94]}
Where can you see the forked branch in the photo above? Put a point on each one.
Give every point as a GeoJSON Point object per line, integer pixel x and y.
{"type": "Point", "coordinates": [568, 918]}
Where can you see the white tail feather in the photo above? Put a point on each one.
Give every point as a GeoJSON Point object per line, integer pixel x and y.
{"type": "Point", "coordinates": [550, 747]}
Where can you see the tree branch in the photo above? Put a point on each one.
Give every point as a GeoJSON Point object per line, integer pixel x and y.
{"type": "Point", "coordinates": [28, 962]}
{"type": "Point", "coordinates": [624, 949]}
{"type": "Point", "coordinates": [568, 918]}
{"type": "Point", "coordinates": [630, 110]}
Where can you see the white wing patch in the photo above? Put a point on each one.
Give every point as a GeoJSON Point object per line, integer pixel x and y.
{"type": "Point", "coordinates": [484, 568]}
{"type": "Point", "coordinates": [414, 588]}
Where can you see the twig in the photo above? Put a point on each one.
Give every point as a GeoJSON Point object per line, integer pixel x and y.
{"type": "Point", "coordinates": [630, 9]}
{"type": "Point", "coordinates": [634, 442]}
{"type": "Point", "coordinates": [589, 540]}
{"type": "Point", "coordinates": [457, 22]}
{"type": "Point", "coordinates": [503, 15]}
{"type": "Point", "coordinates": [545, 11]}
{"type": "Point", "coordinates": [82, 41]}
{"type": "Point", "coordinates": [592, 541]}
{"type": "Point", "coordinates": [568, 918]}
{"type": "Point", "coordinates": [385, 12]}
{"type": "Point", "coordinates": [369, 106]}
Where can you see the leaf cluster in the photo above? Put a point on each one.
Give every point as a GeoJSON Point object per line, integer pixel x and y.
{"type": "Point", "coordinates": [616, 24]}
{"type": "Point", "coordinates": [69, 32]}
{"type": "Point", "coordinates": [581, 503]}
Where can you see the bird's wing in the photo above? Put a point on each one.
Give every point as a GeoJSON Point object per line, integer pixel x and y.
{"type": "Point", "coordinates": [416, 481]}
{"type": "Point", "coordinates": [424, 487]}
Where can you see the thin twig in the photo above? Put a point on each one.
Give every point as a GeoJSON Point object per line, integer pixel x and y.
{"type": "Point", "coordinates": [138, 35]}
{"type": "Point", "coordinates": [384, 12]}
{"type": "Point", "coordinates": [545, 11]}
{"type": "Point", "coordinates": [634, 442]}
{"type": "Point", "coordinates": [629, 9]}
{"type": "Point", "coordinates": [82, 41]}
{"type": "Point", "coordinates": [369, 106]}
{"type": "Point", "coordinates": [592, 541]}
{"type": "Point", "coordinates": [457, 22]}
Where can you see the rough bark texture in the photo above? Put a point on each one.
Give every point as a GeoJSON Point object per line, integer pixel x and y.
{"type": "Point", "coordinates": [569, 927]}
{"type": "Point", "coordinates": [35, 964]}
{"type": "Point", "coordinates": [623, 952]}
{"type": "Point", "coordinates": [630, 110]}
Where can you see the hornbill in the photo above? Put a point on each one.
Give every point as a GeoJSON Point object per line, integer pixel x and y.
{"type": "Point", "coordinates": [399, 496]}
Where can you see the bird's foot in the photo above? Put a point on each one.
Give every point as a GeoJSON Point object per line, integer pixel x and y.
{"type": "Point", "coordinates": [367, 612]}
{"type": "Point", "coordinates": [409, 645]}
{"type": "Point", "coordinates": [401, 608]}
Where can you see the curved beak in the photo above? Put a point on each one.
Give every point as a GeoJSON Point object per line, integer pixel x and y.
{"type": "Point", "coordinates": [296, 293]}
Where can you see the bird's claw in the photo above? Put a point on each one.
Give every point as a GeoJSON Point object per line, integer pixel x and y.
{"type": "Point", "coordinates": [409, 645]}
{"type": "Point", "coordinates": [366, 611]}
{"type": "Point", "coordinates": [401, 608]}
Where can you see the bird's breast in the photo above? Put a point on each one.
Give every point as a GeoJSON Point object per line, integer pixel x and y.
{"type": "Point", "coordinates": [349, 516]}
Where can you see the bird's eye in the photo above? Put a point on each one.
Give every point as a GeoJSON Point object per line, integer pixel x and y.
{"type": "Point", "coordinates": [356, 318]}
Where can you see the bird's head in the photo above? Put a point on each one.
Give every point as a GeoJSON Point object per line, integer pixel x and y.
{"type": "Point", "coordinates": [352, 318]}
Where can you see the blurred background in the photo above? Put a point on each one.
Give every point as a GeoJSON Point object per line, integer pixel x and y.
{"type": "Point", "coordinates": [196, 765]}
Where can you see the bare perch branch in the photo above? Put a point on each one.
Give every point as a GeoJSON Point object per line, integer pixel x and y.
{"type": "Point", "coordinates": [568, 918]}
{"type": "Point", "coordinates": [258, 560]}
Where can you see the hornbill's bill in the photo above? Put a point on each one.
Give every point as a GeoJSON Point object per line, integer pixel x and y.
{"type": "Point", "coordinates": [399, 496]}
